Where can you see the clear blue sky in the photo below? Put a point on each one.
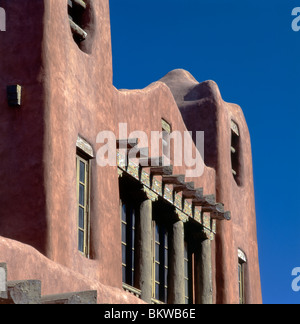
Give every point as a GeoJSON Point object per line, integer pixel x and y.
{"type": "Point", "coordinates": [250, 50]}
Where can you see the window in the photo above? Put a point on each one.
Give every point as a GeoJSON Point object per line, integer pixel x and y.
{"type": "Point", "coordinates": [160, 262]}
{"type": "Point", "coordinates": [166, 146]}
{"type": "Point", "coordinates": [81, 20]}
{"type": "Point", "coordinates": [241, 275]}
{"type": "Point", "coordinates": [241, 283]}
{"type": "Point", "coordinates": [84, 154]}
{"type": "Point", "coordinates": [235, 152]}
{"type": "Point", "coordinates": [83, 204]}
{"type": "Point", "coordinates": [128, 221]}
{"type": "Point", "coordinates": [75, 10]}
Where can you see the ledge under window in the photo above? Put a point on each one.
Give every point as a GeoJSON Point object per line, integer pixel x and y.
{"type": "Point", "coordinates": [134, 291]}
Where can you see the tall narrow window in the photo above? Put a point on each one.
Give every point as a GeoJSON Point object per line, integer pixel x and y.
{"type": "Point", "coordinates": [76, 10]}
{"type": "Point", "coordinates": [166, 146]}
{"type": "Point", "coordinates": [83, 204]}
{"type": "Point", "coordinates": [128, 222]}
{"type": "Point", "coordinates": [235, 152]}
{"type": "Point", "coordinates": [241, 275]}
{"type": "Point", "coordinates": [84, 154]}
{"type": "Point", "coordinates": [81, 19]}
{"type": "Point", "coordinates": [160, 262]}
{"type": "Point", "coordinates": [241, 283]}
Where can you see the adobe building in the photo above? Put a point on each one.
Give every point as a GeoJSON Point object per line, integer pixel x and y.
{"type": "Point", "coordinates": [139, 231]}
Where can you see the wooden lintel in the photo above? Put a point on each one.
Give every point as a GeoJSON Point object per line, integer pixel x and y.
{"type": "Point", "coordinates": [127, 143]}
{"type": "Point", "coordinates": [165, 170]}
{"type": "Point", "coordinates": [174, 179]}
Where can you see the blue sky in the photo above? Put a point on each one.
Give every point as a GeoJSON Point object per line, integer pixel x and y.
{"type": "Point", "coordinates": [250, 50]}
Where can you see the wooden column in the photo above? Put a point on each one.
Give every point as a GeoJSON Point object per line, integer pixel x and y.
{"type": "Point", "coordinates": [144, 268]}
{"type": "Point", "coordinates": [203, 274]}
{"type": "Point", "coordinates": [176, 268]}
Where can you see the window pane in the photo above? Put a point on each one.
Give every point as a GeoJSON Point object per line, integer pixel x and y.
{"type": "Point", "coordinates": [157, 272]}
{"type": "Point", "coordinates": [166, 295]}
{"type": "Point", "coordinates": [186, 269]}
{"type": "Point", "coordinates": [82, 172]}
{"type": "Point", "coordinates": [124, 218]}
{"type": "Point", "coordinates": [124, 258]}
{"type": "Point", "coordinates": [166, 258]}
{"type": "Point", "coordinates": [124, 273]}
{"type": "Point", "coordinates": [186, 288]}
{"type": "Point", "coordinates": [157, 233]}
{"type": "Point", "coordinates": [81, 194]}
{"type": "Point", "coordinates": [124, 239]}
{"type": "Point", "coordinates": [132, 278]}
{"type": "Point", "coordinates": [132, 259]}
{"type": "Point", "coordinates": [166, 277]}
{"type": "Point", "coordinates": [133, 218]}
{"type": "Point", "coordinates": [157, 291]}
{"type": "Point", "coordinates": [81, 241]}
{"type": "Point", "coordinates": [166, 239]}
{"type": "Point", "coordinates": [81, 218]}
{"type": "Point", "coordinates": [157, 252]}
{"type": "Point", "coordinates": [186, 256]}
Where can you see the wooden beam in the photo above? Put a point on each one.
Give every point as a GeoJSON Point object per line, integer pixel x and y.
{"type": "Point", "coordinates": [184, 186]}
{"type": "Point", "coordinates": [221, 216]}
{"type": "Point", "coordinates": [127, 143]}
{"type": "Point", "coordinates": [162, 171]}
{"type": "Point", "coordinates": [80, 3]}
{"type": "Point", "coordinates": [193, 194]}
{"type": "Point", "coordinates": [205, 201]}
{"type": "Point", "coordinates": [173, 179]}
{"type": "Point", "coordinates": [77, 30]}
{"type": "Point", "coordinates": [151, 161]}
{"type": "Point", "coordinates": [216, 208]}
{"type": "Point", "coordinates": [138, 152]}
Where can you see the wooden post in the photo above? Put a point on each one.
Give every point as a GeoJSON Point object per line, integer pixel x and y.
{"type": "Point", "coordinates": [144, 268]}
{"type": "Point", "coordinates": [176, 282]}
{"type": "Point", "coordinates": [203, 274]}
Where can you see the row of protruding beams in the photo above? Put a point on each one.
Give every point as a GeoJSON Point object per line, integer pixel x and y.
{"type": "Point", "coordinates": [206, 202]}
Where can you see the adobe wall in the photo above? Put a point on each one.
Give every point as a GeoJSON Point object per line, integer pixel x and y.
{"type": "Point", "coordinates": [80, 99]}
{"type": "Point", "coordinates": [203, 108]}
{"type": "Point", "coordinates": [22, 189]}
